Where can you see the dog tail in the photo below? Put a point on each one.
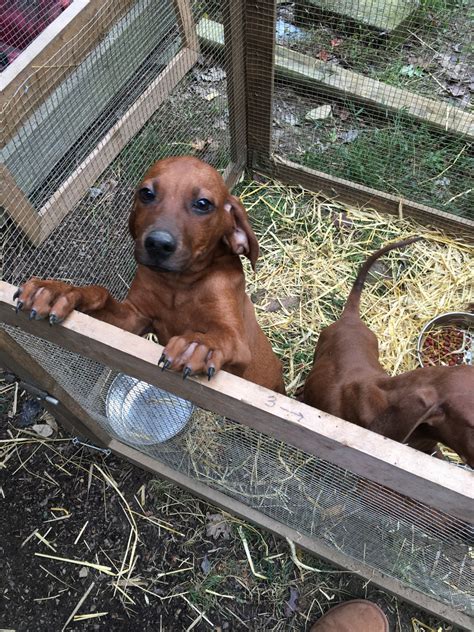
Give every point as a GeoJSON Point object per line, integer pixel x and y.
{"type": "Point", "coordinates": [352, 304]}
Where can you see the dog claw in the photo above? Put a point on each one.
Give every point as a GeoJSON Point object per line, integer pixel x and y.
{"type": "Point", "coordinates": [18, 307]}
{"type": "Point", "coordinates": [210, 372]}
{"type": "Point", "coordinates": [166, 364]}
{"type": "Point", "coordinates": [53, 319]}
{"type": "Point", "coordinates": [187, 372]}
{"type": "Point", "coordinates": [17, 294]}
{"type": "Point", "coordinates": [32, 315]}
{"type": "Point", "coordinates": [162, 359]}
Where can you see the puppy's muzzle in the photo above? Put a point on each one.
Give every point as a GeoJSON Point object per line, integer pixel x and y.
{"type": "Point", "coordinates": [160, 245]}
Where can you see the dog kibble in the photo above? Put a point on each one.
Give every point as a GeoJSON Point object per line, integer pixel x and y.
{"type": "Point", "coordinates": [446, 346]}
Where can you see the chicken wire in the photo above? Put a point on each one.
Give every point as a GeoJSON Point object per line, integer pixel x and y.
{"type": "Point", "coordinates": [57, 135]}
{"type": "Point", "coordinates": [379, 93]}
{"type": "Point", "coordinates": [423, 548]}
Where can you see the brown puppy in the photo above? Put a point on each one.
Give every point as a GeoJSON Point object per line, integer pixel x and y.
{"type": "Point", "coordinates": [189, 286]}
{"type": "Point", "coordinates": [420, 407]}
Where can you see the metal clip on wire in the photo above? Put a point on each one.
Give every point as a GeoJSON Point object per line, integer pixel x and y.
{"type": "Point", "coordinates": [78, 442]}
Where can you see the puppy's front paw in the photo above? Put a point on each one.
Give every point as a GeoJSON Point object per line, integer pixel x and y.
{"type": "Point", "coordinates": [54, 300]}
{"type": "Point", "coordinates": [191, 354]}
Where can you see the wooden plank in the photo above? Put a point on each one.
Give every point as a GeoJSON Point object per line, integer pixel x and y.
{"type": "Point", "coordinates": [232, 174]}
{"type": "Point", "coordinates": [234, 61]}
{"type": "Point", "coordinates": [73, 189]}
{"type": "Point", "coordinates": [18, 206]}
{"type": "Point", "coordinates": [352, 193]}
{"type": "Point", "coordinates": [431, 481]}
{"type": "Point", "coordinates": [75, 419]}
{"type": "Point", "coordinates": [37, 64]}
{"type": "Point", "coordinates": [379, 14]}
{"type": "Point", "coordinates": [303, 69]}
{"type": "Point", "coordinates": [260, 16]}
{"type": "Point", "coordinates": [186, 24]}
{"type": "Point", "coordinates": [53, 128]}
{"type": "Point", "coordinates": [313, 545]}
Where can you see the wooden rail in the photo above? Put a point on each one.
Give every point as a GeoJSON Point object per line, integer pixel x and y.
{"type": "Point", "coordinates": [360, 195]}
{"type": "Point", "coordinates": [305, 70]}
{"type": "Point", "coordinates": [439, 484]}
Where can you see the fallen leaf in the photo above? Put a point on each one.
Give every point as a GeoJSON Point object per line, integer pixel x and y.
{"type": "Point", "coordinates": [286, 302]}
{"type": "Point", "coordinates": [291, 606]}
{"type": "Point", "coordinates": [349, 136]}
{"type": "Point", "coordinates": [43, 430]}
{"type": "Point", "coordinates": [205, 565]}
{"type": "Point", "coordinates": [343, 114]}
{"type": "Point", "coordinates": [217, 526]}
{"type": "Point", "coordinates": [323, 55]}
{"type": "Point", "coordinates": [257, 296]}
{"type": "Point", "coordinates": [199, 144]}
{"type": "Point", "coordinates": [213, 74]}
{"type": "Point", "coordinates": [457, 90]}
{"type": "Point", "coordinates": [321, 112]}
{"type": "Point", "coordinates": [48, 418]}
{"type": "Point", "coordinates": [95, 192]}
{"type": "Point", "coordinates": [336, 42]}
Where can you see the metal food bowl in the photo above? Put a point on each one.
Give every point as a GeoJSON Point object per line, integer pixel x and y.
{"type": "Point", "coordinates": [460, 350]}
{"type": "Point", "coordinates": [144, 415]}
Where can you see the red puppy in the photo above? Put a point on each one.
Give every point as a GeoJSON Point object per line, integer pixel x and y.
{"type": "Point", "coordinates": [189, 286]}
{"type": "Point", "coordinates": [420, 408]}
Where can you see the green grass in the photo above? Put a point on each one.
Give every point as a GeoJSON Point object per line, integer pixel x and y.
{"type": "Point", "coordinates": [404, 158]}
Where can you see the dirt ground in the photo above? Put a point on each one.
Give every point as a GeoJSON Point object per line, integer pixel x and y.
{"type": "Point", "coordinates": [189, 569]}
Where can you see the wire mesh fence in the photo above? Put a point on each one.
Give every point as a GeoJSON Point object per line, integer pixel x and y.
{"type": "Point", "coordinates": [379, 93]}
{"type": "Point", "coordinates": [423, 548]}
{"type": "Point", "coordinates": [376, 93]}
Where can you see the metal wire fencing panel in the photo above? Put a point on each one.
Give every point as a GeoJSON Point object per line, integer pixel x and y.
{"type": "Point", "coordinates": [378, 93]}
{"type": "Point", "coordinates": [87, 134]}
{"type": "Point", "coordinates": [423, 548]}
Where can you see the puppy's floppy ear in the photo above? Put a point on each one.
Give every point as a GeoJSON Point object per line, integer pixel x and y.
{"type": "Point", "coordinates": [242, 239]}
{"type": "Point", "coordinates": [131, 223]}
{"type": "Point", "coordinates": [132, 217]}
{"type": "Point", "coordinates": [399, 422]}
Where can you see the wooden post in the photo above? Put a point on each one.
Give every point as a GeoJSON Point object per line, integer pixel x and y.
{"type": "Point", "coordinates": [19, 207]}
{"type": "Point", "coordinates": [260, 16]}
{"type": "Point", "coordinates": [234, 62]}
{"type": "Point", "coordinates": [186, 24]}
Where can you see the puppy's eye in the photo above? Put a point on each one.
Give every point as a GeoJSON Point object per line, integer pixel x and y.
{"type": "Point", "coordinates": [203, 206]}
{"type": "Point", "coordinates": [146, 195]}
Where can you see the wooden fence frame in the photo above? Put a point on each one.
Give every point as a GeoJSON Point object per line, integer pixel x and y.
{"type": "Point", "coordinates": [397, 467]}
{"type": "Point", "coordinates": [439, 484]}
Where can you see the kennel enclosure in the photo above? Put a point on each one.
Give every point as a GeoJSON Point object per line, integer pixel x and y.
{"type": "Point", "coordinates": [116, 85]}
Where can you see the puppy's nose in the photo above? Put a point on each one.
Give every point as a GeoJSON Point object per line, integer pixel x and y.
{"type": "Point", "coordinates": [160, 243]}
